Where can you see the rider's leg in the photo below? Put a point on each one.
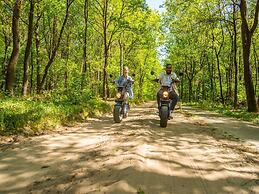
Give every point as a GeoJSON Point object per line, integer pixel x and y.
{"type": "Point", "coordinates": [174, 97]}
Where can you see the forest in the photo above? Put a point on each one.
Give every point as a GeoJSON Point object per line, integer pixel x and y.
{"type": "Point", "coordinates": [57, 56]}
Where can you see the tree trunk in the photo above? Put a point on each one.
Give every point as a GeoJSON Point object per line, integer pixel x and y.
{"type": "Point", "coordinates": [217, 54]}
{"type": "Point", "coordinates": [121, 57]}
{"type": "Point", "coordinates": [11, 67]}
{"type": "Point", "coordinates": [182, 88]}
{"type": "Point", "coordinates": [235, 55]}
{"type": "Point", "coordinates": [106, 49]}
{"type": "Point", "coordinates": [27, 50]}
{"type": "Point", "coordinates": [256, 69]}
{"type": "Point", "coordinates": [37, 44]}
{"type": "Point", "coordinates": [67, 58]}
{"type": "Point", "coordinates": [247, 34]}
{"type": "Point", "coordinates": [105, 77]}
{"type": "Point", "coordinates": [220, 80]}
{"type": "Point", "coordinates": [84, 69]}
{"type": "Point", "coordinates": [190, 90]}
{"type": "Point", "coordinates": [32, 72]}
{"type": "Point", "coordinates": [7, 44]}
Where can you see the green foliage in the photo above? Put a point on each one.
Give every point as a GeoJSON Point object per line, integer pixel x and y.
{"type": "Point", "coordinates": [129, 23]}
{"type": "Point", "coordinates": [48, 111]}
{"type": "Point", "coordinates": [199, 37]}
{"type": "Point", "coordinates": [241, 114]}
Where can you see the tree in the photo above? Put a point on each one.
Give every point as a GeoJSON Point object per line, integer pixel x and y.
{"type": "Point", "coordinates": [54, 52]}
{"type": "Point", "coordinates": [86, 16]}
{"type": "Point", "coordinates": [28, 48]}
{"type": "Point", "coordinates": [11, 68]}
{"type": "Point", "coordinates": [247, 34]}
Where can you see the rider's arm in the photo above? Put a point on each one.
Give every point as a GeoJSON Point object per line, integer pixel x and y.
{"type": "Point", "coordinates": [155, 80]}
{"type": "Point", "coordinates": [130, 79]}
{"type": "Point", "coordinates": [118, 81]}
{"type": "Point", "coordinates": [175, 78]}
{"type": "Point", "coordinates": [160, 78]}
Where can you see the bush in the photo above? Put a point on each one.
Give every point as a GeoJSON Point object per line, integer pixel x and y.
{"type": "Point", "coordinates": [47, 111]}
{"type": "Point", "coordinates": [227, 110]}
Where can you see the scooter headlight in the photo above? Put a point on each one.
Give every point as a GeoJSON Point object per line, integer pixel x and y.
{"type": "Point", "coordinates": [118, 95]}
{"type": "Point", "coordinates": [165, 94]}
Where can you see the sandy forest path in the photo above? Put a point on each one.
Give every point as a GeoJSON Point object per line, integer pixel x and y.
{"type": "Point", "coordinates": [194, 154]}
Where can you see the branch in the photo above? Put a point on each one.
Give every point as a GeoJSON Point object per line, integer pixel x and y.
{"type": "Point", "coordinates": [91, 24]}
{"type": "Point", "coordinates": [7, 3]}
{"type": "Point", "coordinates": [120, 15]}
{"type": "Point", "coordinates": [255, 18]}
{"type": "Point", "coordinates": [98, 10]}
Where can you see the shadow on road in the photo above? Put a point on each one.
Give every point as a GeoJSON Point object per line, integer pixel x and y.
{"type": "Point", "coordinates": [137, 155]}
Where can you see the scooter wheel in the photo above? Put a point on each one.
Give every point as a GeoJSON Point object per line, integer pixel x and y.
{"type": "Point", "coordinates": [117, 116]}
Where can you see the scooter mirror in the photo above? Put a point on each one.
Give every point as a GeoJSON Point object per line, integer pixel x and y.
{"type": "Point", "coordinates": [181, 74]}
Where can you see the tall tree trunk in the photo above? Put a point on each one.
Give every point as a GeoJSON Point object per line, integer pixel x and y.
{"type": "Point", "coordinates": [37, 45]}
{"type": "Point", "coordinates": [220, 79]}
{"type": "Point", "coordinates": [27, 50]}
{"type": "Point", "coordinates": [121, 56]}
{"type": "Point", "coordinates": [247, 35]}
{"type": "Point", "coordinates": [84, 69]}
{"type": "Point", "coordinates": [217, 54]}
{"type": "Point", "coordinates": [11, 67]}
{"type": "Point", "coordinates": [210, 69]}
{"type": "Point", "coordinates": [182, 88]}
{"type": "Point", "coordinates": [7, 44]}
{"type": "Point", "coordinates": [256, 69]}
{"type": "Point", "coordinates": [67, 52]}
{"type": "Point", "coordinates": [190, 90]}
{"type": "Point", "coordinates": [105, 93]}
{"type": "Point", "coordinates": [32, 72]}
{"type": "Point", "coordinates": [53, 54]}
{"type": "Point", "coordinates": [106, 49]}
{"type": "Point", "coordinates": [235, 55]}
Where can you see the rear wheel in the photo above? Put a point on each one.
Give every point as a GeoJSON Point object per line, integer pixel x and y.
{"type": "Point", "coordinates": [117, 116]}
{"type": "Point", "coordinates": [163, 116]}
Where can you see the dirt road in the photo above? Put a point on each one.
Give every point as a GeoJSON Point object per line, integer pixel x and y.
{"type": "Point", "coordinates": [191, 155]}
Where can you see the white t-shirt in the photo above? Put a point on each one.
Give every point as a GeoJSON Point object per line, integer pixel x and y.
{"type": "Point", "coordinates": [166, 80]}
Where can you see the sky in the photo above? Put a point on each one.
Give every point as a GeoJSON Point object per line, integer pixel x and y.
{"type": "Point", "coordinates": [155, 4]}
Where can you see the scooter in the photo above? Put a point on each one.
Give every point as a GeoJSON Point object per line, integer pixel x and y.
{"type": "Point", "coordinates": [165, 106]}
{"type": "Point", "coordinates": [165, 103]}
{"type": "Point", "coordinates": [121, 107]}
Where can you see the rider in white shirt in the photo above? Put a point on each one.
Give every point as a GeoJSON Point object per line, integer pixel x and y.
{"type": "Point", "coordinates": [168, 78]}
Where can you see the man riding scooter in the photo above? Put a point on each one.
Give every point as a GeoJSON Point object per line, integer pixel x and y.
{"type": "Point", "coordinates": [168, 79]}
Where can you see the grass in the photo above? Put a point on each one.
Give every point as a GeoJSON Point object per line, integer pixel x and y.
{"type": "Point", "coordinates": [241, 114]}
{"type": "Point", "coordinates": [30, 115]}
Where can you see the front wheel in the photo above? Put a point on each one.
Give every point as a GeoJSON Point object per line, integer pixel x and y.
{"type": "Point", "coordinates": [117, 116]}
{"type": "Point", "coordinates": [163, 116]}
